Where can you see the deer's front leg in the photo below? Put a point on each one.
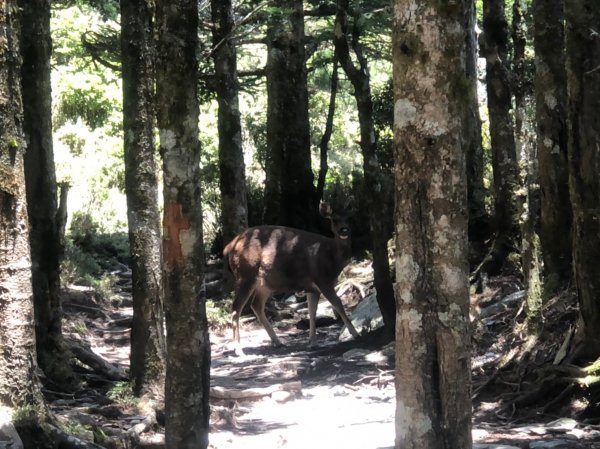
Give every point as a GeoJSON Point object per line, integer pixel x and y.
{"type": "Point", "coordinates": [313, 302]}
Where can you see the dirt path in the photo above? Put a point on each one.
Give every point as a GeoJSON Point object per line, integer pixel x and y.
{"type": "Point", "coordinates": [335, 395]}
{"type": "Point", "coordinates": [344, 401]}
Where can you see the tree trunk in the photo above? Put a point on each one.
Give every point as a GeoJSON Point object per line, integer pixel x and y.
{"type": "Point", "coordinates": [431, 103]}
{"type": "Point", "coordinates": [504, 254]}
{"type": "Point", "coordinates": [530, 247]}
{"type": "Point", "coordinates": [147, 357]}
{"type": "Point", "coordinates": [234, 206]}
{"type": "Point", "coordinates": [324, 144]}
{"type": "Point", "coordinates": [551, 118]}
{"type": "Point", "coordinates": [360, 79]}
{"type": "Point", "coordinates": [583, 78]}
{"type": "Point", "coordinates": [479, 220]}
{"type": "Point", "coordinates": [289, 189]}
{"type": "Point", "coordinates": [44, 234]}
{"type": "Point", "coordinates": [19, 386]}
{"type": "Point", "coordinates": [188, 347]}
{"type": "Point", "coordinates": [519, 39]}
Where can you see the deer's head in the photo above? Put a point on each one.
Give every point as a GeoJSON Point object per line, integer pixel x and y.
{"type": "Point", "coordinates": [339, 218]}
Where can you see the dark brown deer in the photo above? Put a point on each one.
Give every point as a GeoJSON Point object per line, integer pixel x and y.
{"type": "Point", "coordinates": [275, 259]}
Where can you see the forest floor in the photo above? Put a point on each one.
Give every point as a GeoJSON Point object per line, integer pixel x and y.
{"type": "Point", "coordinates": [335, 395]}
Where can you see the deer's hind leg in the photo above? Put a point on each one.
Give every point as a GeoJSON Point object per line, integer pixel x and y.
{"type": "Point", "coordinates": [261, 296]}
{"type": "Point", "coordinates": [243, 292]}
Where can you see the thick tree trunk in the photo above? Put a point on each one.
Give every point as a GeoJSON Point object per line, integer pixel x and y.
{"type": "Point", "coordinates": [531, 259]}
{"type": "Point", "coordinates": [479, 220]}
{"type": "Point", "coordinates": [504, 254]}
{"type": "Point", "coordinates": [433, 404]}
{"type": "Point", "coordinates": [583, 78]}
{"type": "Point", "coordinates": [289, 189]}
{"type": "Point", "coordinates": [360, 79]}
{"type": "Point", "coordinates": [141, 186]}
{"type": "Point", "coordinates": [44, 235]}
{"type": "Point", "coordinates": [234, 206]}
{"type": "Point", "coordinates": [19, 386]}
{"type": "Point", "coordinates": [551, 130]}
{"type": "Point", "coordinates": [188, 346]}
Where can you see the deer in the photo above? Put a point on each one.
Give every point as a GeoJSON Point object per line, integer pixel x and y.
{"type": "Point", "coordinates": [275, 259]}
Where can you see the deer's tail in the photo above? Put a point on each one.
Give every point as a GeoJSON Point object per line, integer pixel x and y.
{"type": "Point", "coordinates": [228, 278]}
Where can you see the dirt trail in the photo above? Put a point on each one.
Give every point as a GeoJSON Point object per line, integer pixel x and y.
{"type": "Point", "coordinates": [342, 402]}
{"type": "Point", "coordinates": [335, 395]}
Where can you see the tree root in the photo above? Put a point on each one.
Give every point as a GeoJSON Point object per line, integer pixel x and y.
{"type": "Point", "coordinates": [86, 356]}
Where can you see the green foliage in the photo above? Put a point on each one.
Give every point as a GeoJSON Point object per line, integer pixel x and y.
{"type": "Point", "coordinates": [91, 254]}
{"type": "Point", "coordinates": [107, 248]}
{"type": "Point", "coordinates": [77, 429]}
{"type": "Point", "coordinates": [122, 393]}
{"type": "Point", "coordinates": [108, 9]}
{"type": "Point", "coordinates": [218, 313]}
{"type": "Point", "coordinates": [383, 117]}
{"type": "Point", "coordinates": [74, 142]}
{"type": "Point", "coordinates": [87, 103]}
{"type": "Point", "coordinates": [99, 436]}
{"type": "Point", "coordinates": [77, 265]}
{"type": "Point", "coordinates": [26, 414]}
{"type": "Point", "coordinates": [210, 175]}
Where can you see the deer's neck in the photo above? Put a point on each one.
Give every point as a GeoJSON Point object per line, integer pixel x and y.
{"type": "Point", "coordinates": [343, 249]}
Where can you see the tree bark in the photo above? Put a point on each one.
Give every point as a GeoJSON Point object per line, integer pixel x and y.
{"type": "Point", "coordinates": [326, 137]}
{"type": "Point", "coordinates": [147, 357]}
{"type": "Point", "coordinates": [431, 103]}
{"type": "Point", "coordinates": [504, 254]}
{"type": "Point", "coordinates": [530, 247]}
{"type": "Point", "coordinates": [289, 189]}
{"type": "Point", "coordinates": [19, 386]}
{"type": "Point", "coordinates": [552, 142]}
{"type": "Point", "coordinates": [583, 84]}
{"type": "Point", "coordinates": [44, 234]}
{"type": "Point", "coordinates": [188, 346]}
{"type": "Point", "coordinates": [234, 206]}
{"type": "Point", "coordinates": [479, 220]}
{"type": "Point", "coordinates": [360, 79]}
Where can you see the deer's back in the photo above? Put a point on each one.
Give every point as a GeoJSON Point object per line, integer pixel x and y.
{"type": "Point", "coordinates": [285, 259]}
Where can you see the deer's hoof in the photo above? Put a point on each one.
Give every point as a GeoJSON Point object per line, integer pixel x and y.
{"type": "Point", "coordinates": [238, 351]}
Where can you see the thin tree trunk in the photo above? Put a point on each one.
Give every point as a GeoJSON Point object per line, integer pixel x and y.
{"type": "Point", "coordinates": [359, 77]}
{"type": "Point", "coordinates": [44, 237]}
{"type": "Point", "coordinates": [504, 254]}
{"type": "Point", "coordinates": [433, 403]}
{"type": "Point", "coordinates": [289, 189]}
{"type": "Point", "coordinates": [188, 346]}
{"type": "Point", "coordinates": [519, 39]}
{"type": "Point", "coordinates": [479, 220]}
{"type": "Point", "coordinates": [19, 386]}
{"type": "Point", "coordinates": [326, 137]}
{"type": "Point", "coordinates": [234, 206]}
{"type": "Point", "coordinates": [147, 357]}
{"type": "Point", "coordinates": [583, 78]}
{"type": "Point", "coordinates": [552, 153]}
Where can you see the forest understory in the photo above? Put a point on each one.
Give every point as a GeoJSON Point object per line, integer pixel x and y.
{"type": "Point", "coordinates": [525, 394]}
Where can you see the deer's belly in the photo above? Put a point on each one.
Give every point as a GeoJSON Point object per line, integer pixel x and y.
{"type": "Point", "coordinates": [291, 285]}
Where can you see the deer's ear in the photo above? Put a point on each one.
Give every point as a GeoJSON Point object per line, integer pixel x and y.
{"type": "Point", "coordinates": [325, 209]}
